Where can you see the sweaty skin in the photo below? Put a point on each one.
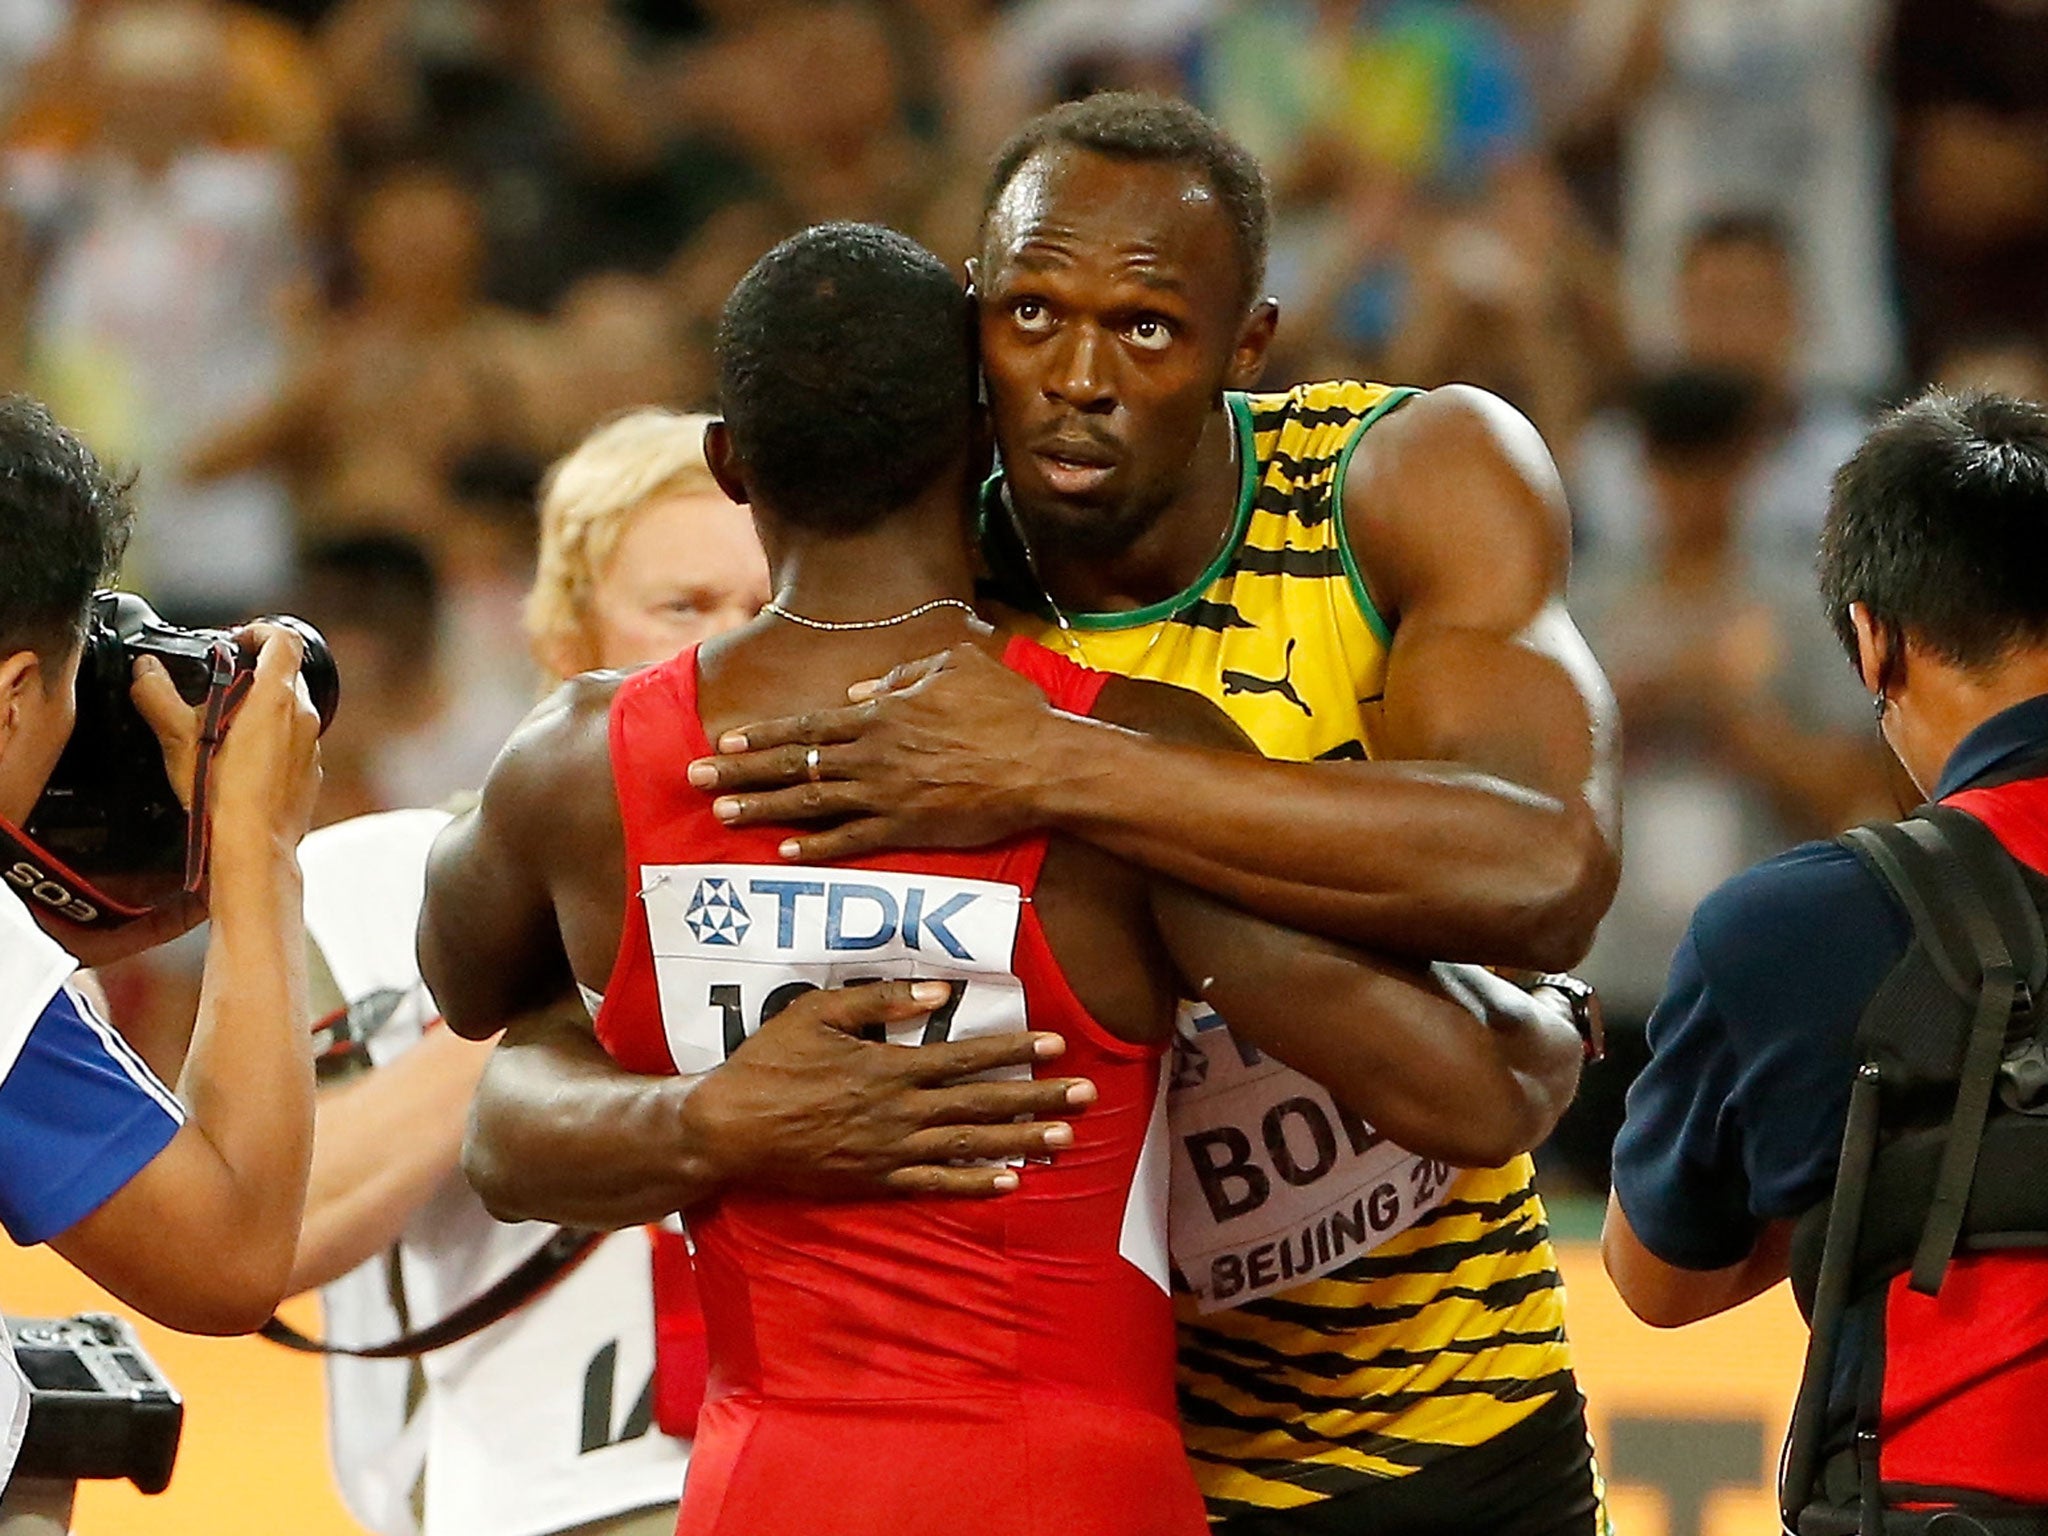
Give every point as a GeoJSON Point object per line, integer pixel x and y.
{"type": "Point", "coordinates": [525, 900]}
{"type": "Point", "coordinates": [1487, 828]}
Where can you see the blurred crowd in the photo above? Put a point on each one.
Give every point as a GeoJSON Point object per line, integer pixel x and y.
{"type": "Point", "coordinates": [340, 278]}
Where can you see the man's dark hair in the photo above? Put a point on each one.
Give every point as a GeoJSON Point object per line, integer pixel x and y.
{"type": "Point", "coordinates": [1744, 226]}
{"type": "Point", "coordinates": [846, 374]}
{"type": "Point", "coordinates": [1939, 526]}
{"type": "Point", "coordinates": [1694, 413]}
{"type": "Point", "coordinates": [63, 527]}
{"type": "Point", "coordinates": [1129, 125]}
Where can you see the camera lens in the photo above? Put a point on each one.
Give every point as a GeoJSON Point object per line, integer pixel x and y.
{"type": "Point", "coordinates": [323, 678]}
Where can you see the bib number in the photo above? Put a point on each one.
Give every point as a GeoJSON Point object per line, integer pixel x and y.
{"type": "Point", "coordinates": [735, 944]}
{"type": "Point", "coordinates": [1273, 1183]}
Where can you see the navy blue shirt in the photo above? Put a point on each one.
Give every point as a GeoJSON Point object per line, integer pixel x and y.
{"type": "Point", "coordinates": [1738, 1118]}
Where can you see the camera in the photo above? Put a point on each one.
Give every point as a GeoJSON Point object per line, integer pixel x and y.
{"type": "Point", "coordinates": [98, 1405]}
{"type": "Point", "coordinates": [108, 839]}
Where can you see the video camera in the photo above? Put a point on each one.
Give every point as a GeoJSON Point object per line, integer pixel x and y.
{"type": "Point", "coordinates": [98, 1406]}
{"type": "Point", "coordinates": [108, 840]}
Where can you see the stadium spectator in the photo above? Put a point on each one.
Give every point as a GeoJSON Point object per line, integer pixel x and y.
{"type": "Point", "coordinates": [816, 100]}
{"type": "Point", "coordinates": [541, 108]}
{"type": "Point", "coordinates": [1771, 108]}
{"type": "Point", "coordinates": [1367, 115]}
{"type": "Point", "coordinates": [2007, 363]}
{"type": "Point", "coordinates": [164, 260]}
{"type": "Point", "coordinates": [1514, 293]}
{"type": "Point", "coordinates": [615, 342]}
{"type": "Point", "coordinates": [1741, 733]}
{"type": "Point", "coordinates": [396, 386]}
{"type": "Point", "coordinates": [1969, 85]}
{"type": "Point", "coordinates": [1740, 313]}
{"type": "Point", "coordinates": [375, 599]}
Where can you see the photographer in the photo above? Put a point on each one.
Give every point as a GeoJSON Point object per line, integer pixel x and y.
{"type": "Point", "coordinates": [184, 1205]}
{"type": "Point", "coordinates": [1773, 1075]}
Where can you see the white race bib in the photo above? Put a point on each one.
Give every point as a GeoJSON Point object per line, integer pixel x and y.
{"type": "Point", "coordinates": [735, 944]}
{"type": "Point", "coordinates": [1274, 1184]}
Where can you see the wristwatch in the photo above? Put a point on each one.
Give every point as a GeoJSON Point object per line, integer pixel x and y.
{"type": "Point", "coordinates": [1584, 1003]}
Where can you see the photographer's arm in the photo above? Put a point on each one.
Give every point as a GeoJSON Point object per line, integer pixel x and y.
{"type": "Point", "coordinates": [382, 1145]}
{"type": "Point", "coordinates": [202, 1238]}
{"type": "Point", "coordinates": [1667, 1295]}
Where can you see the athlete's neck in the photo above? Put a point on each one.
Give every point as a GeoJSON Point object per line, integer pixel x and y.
{"type": "Point", "coordinates": [912, 557]}
{"type": "Point", "coordinates": [1181, 541]}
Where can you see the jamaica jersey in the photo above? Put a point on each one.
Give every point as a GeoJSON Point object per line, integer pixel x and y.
{"type": "Point", "coordinates": [1348, 1312]}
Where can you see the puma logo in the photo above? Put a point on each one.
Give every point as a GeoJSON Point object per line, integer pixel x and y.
{"type": "Point", "coordinates": [1245, 682]}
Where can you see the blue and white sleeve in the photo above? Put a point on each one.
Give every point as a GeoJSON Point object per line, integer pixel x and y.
{"type": "Point", "coordinates": [80, 1115]}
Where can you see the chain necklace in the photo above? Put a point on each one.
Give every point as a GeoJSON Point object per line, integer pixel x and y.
{"type": "Point", "coordinates": [836, 624]}
{"type": "Point", "coordinates": [1059, 614]}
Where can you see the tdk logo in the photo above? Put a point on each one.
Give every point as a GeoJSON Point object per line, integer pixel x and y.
{"type": "Point", "coordinates": [856, 915]}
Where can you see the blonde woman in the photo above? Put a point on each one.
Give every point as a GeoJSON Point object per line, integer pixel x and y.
{"type": "Point", "coordinates": [641, 554]}
{"type": "Point", "coordinates": [538, 1425]}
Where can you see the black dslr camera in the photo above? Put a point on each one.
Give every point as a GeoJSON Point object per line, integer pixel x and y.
{"type": "Point", "coordinates": [108, 841]}
{"type": "Point", "coordinates": [98, 1406]}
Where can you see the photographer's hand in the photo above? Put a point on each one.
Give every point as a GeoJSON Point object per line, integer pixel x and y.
{"type": "Point", "coordinates": [203, 1237]}
{"type": "Point", "coordinates": [176, 723]}
{"type": "Point", "coordinates": [266, 771]}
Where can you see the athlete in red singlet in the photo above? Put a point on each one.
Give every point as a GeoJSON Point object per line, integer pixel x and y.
{"type": "Point", "coordinates": [917, 1367]}
{"type": "Point", "coordinates": [1023, 1346]}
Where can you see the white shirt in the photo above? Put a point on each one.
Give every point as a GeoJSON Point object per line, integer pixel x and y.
{"type": "Point", "coordinates": [32, 967]}
{"type": "Point", "coordinates": [531, 1426]}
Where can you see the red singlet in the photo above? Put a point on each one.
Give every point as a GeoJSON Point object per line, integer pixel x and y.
{"type": "Point", "coordinates": [915, 1367]}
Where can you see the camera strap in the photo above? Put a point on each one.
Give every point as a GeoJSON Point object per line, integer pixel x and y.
{"type": "Point", "coordinates": [547, 1265]}
{"type": "Point", "coordinates": [53, 885]}
{"type": "Point", "coordinates": [225, 685]}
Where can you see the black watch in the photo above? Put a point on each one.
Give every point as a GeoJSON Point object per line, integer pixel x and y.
{"type": "Point", "coordinates": [1585, 1005]}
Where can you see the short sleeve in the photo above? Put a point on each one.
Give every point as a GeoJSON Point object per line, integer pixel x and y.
{"type": "Point", "coordinates": [80, 1115]}
{"type": "Point", "coordinates": [1737, 1120]}
{"type": "Point", "coordinates": [1797, 947]}
{"type": "Point", "coordinates": [1678, 1166]}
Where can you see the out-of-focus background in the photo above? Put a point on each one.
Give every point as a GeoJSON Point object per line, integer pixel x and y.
{"type": "Point", "coordinates": [340, 277]}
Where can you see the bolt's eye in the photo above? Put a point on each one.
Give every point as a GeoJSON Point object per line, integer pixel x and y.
{"type": "Point", "coordinates": [1150, 335]}
{"type": "Point", "coordinates": [1031, 317]}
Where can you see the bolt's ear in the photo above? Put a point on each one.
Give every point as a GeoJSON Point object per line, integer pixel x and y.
{"type": "Point", "coordinates": [723, 460]}
{"type": "Point", "coordinates": [1254, 340]}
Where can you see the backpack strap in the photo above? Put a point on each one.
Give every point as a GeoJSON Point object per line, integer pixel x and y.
{"type": "Point", "coordinates": [1801, 1468]}
{"type": "Point", "coordinates": [1973, 917]}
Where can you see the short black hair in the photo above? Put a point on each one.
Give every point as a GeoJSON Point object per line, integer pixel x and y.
{"type": "Point", "coordinates": [1939, 526]}
{"type": "Point", "coordinates": [1741, 226]}
{"type": "Point", "coordinates": [1694, 413]}
{"type": "Point", "coordinates": [64, 524]}
{"type": "Point", "coordinates": [846, 374]}
{"type": "Point", "coordinates": [1133, 125]}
